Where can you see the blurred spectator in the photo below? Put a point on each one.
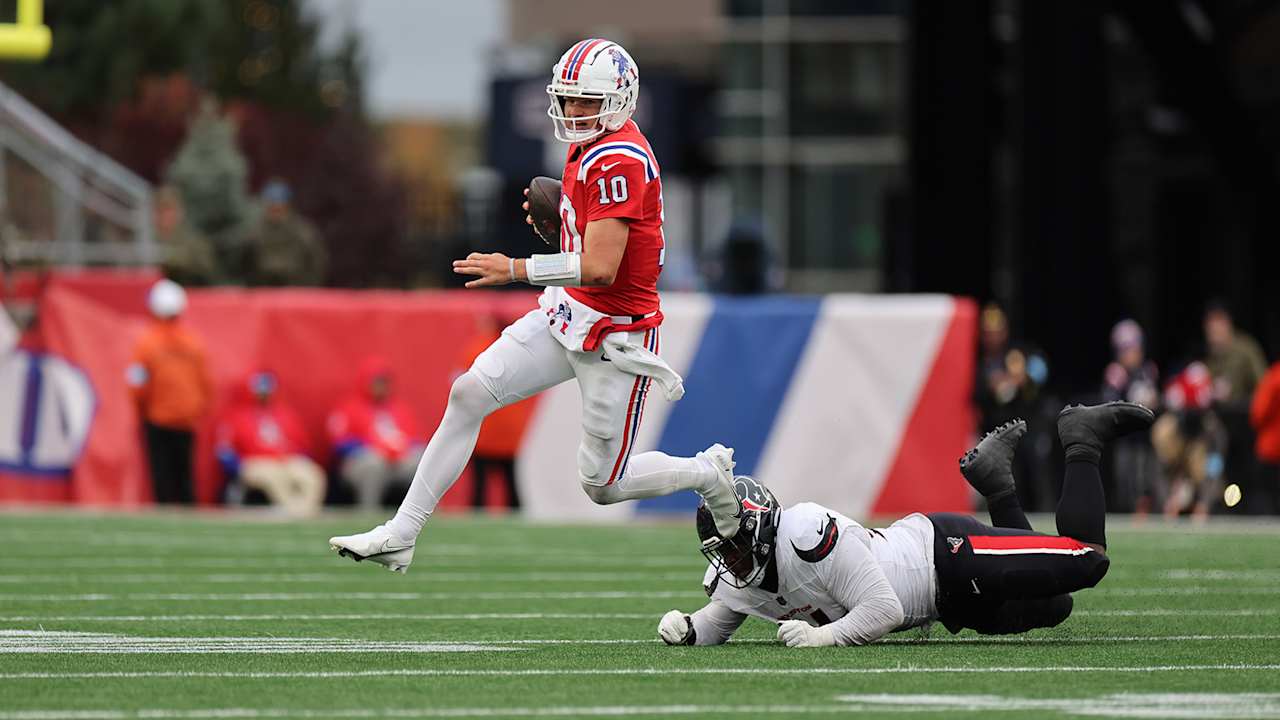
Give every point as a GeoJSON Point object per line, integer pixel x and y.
{"type": "Point", "coordinates": [502, 430]}
{"type": "Point", "coordinates": [186, 255]}
{"type": "Point", "coordinates": [374, 436]}
{"type": "Point", "coordinates": [170, 383]}
{"type": "Point", "coordinates": [284, 248]}
{"type": "Point", "coordinates": [1190, 442]}
{"type": "Point", "coordinates": [1264, 415]}
{"type": "Point", "coordinates": [1236, 363]}
{"type": "Point", "coordinates": [746, 261]}
{"type": "Point", "coordinates": [1011, 376]}
{"type": "Point", "coordinates": [1235, 360]}
{"type": "Point", "coordinates": [1139, 484]}
{"type": "Point", "coordinates": [261, 446]}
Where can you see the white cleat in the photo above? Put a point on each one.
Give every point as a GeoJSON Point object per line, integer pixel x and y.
{"type": "Point", "coordinates": [379, 545]}
{"type": "Point", "coordinates": [724, 505]}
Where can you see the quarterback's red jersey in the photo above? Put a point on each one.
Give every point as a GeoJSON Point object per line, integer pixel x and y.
{"type": "Point", "coordinates": [616, 176]}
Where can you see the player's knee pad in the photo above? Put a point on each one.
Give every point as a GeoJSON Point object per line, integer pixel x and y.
{"type": "Point", "coordinates": [598, 447]}
{"type": "Point", "coordinates": [593, 459]}
{"type": "Point", "coordinates": [601, 494]}
{"type": "Point", "coordinates": [470, 397]}
{"type": "Point", "coordinates": [1095, 568]}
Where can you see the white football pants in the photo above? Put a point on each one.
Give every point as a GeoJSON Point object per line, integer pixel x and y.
{"type": "Point", "coordinates": [523, 362]}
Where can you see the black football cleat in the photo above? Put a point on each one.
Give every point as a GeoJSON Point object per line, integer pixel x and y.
{"type": "Point", "coordinates": [989, 466]}
{"type": "Point", "coordinates": [1086, 429]}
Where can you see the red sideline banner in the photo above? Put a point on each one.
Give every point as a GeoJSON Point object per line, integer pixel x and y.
{"type": "Point", "coordinates": [312, 339]}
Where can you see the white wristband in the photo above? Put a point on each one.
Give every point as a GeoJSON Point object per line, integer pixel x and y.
{"type": "Point", "coordinates": [513, 269]}
{"type": "Point", "coordinates": [563, 269]}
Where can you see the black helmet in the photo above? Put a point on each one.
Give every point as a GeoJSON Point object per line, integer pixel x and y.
{"type": "Point", "coordinates": [741, 559]}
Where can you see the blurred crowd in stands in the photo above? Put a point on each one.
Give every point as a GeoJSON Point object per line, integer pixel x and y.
{"type": "Point", "coordinates": [1216, 441]}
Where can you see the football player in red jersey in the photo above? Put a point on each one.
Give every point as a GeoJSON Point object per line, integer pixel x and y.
{"type": "Point", "coordinates": [598, 319]}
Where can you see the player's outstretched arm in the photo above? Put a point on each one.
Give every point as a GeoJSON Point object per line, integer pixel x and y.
{"type": "Point", "coordinates": [597, 266]}
{"type": "Point", "coordinates": [714, 624]}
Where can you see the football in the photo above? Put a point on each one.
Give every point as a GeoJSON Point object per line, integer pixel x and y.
{"type": "Point", "coordinates": [544, 208]}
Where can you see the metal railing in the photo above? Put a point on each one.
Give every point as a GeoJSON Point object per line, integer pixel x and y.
{"type": "Point", "coordinates": [87, 191]}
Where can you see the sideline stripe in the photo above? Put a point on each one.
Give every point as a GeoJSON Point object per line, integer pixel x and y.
{"type": "Point", "coordinates": [549, 672]}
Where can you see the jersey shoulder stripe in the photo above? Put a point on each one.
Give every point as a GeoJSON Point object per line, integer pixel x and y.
{"type": "Point", "coordinates": [625, 149]}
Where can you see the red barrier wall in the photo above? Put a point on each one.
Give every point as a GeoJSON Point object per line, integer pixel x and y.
{"type": "Point", "coordinates": [312, 339]}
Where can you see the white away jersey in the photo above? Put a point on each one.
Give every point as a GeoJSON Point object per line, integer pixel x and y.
{"type": "Point", "coordinates": [828, 564]}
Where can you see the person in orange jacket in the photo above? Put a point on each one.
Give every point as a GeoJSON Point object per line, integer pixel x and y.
{"type": "Point", "coordinates": [374, 435]}
{"type": "Point", "coordinates": [169, 380]}
{"type": "Point", "coordinates": [262, 445]}
{"type": "Point", "coordinates": [501, 431]}
{"type": "Point", "coordinates": [1264, 416]}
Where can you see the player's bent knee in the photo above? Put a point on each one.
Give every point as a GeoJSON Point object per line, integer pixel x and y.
{"type": "Point", "coordinates": [1056, 610]}
{"type": "Point", "coordinates": [600, 494]}
{"type": "Point", "coordinates": [592, 457]}
{"type": "Point", "coordinates": [1097, 564]}
{"type": "Point", "coordinates": [469, 396]}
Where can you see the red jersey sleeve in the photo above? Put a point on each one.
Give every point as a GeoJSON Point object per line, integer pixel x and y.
{"type": "Point", "coordinates": [616, 187]}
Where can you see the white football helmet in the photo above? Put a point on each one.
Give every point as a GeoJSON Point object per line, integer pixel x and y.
{"type": "Point", "coordinates": [593, 68]}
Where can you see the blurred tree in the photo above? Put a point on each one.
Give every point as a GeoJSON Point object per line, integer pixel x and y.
{"type": "Point", "coordinates": [210, 173]}
{"type": "Point", "coordinates": [127, 76]}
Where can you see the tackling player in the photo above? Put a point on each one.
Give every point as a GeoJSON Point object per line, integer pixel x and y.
{"type": "Point", "coordinates": [826, 580]}
{"type": "Point", "coordinates": [598, 319]}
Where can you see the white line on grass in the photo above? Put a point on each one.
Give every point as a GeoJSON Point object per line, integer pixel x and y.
{"type": "Point", "coordinates": [1176, 705]}
{"type": "Point", "coordinates": [338, 576]}
{"type": "Point", "coordinates": [1187, 590]}
{"type": "Point", "coordinates": [44, 642]}
{"type": "Point", "coordinates": [556, 672]}
{"type": "Point", "coordinates": [391, 596]}
{"type": "Point", "coordinates": [1147, 705]}
{"type": "Point", "coordinates": [325, 560]}
{"type": "Point", "coordinates": [1161, 612]}
{"type": "Point", "coordinates": [332, 616]}
{"type": "Point", "coordinates": [577, 711]}
{"type": "Point", "coordinates": [432, 617]}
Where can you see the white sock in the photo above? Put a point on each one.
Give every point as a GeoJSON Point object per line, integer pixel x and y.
{"type": "Point", "coordinates": [653, 474]}
{"type": "Point", "coordinates": [445, 456]}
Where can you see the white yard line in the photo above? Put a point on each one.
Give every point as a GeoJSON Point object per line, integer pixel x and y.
{"type": "Point", "coordinates": [567, 672]}
{"type": "Point", "coordinates": [1173, 612]}
{"type": "Point", "coordinates": [45, 641]}
{"type": "Point", "coordinates": [440, 617]}
{"type": "Point", "coordinates": [1186, 590]}
{"type": "Point", "coordinates": [388, 596]}
{"type": "Point", "coordinates": [342, 575]}
{"type": "Point", "coordinates": [1139, 705]}
{"type": "Point", "coordinates": [328, 617]}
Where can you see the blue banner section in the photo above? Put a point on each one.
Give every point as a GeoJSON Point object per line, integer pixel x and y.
{"type": "Point", "coordinates": [740, 374]}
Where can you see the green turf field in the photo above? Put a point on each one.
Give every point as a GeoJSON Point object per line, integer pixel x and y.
{"type": "Point", "coordinates": [213, 616]}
